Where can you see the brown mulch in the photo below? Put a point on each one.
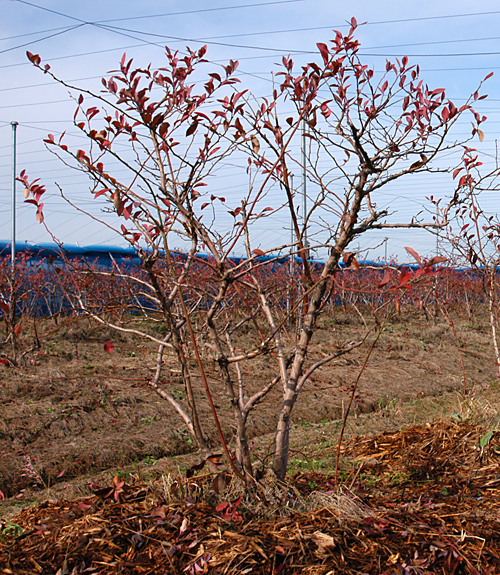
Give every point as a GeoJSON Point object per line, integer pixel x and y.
{"type": "Point", "coordinates": [427, 501]}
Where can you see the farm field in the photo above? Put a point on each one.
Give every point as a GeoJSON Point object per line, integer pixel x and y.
{"type": "Point", "coordinates": [247, 386]}
{"type": "Point", "coordinates": [418, 472]}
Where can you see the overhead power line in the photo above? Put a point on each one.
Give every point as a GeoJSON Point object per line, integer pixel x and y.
{"type": "Point", "coordinates": [435, 42]}
{"type": "Point", "coordinates": [427, 18]}
{"type": "Point", "coordinates": [69, 29]}
{"type": "Point", "coordinates": [181, 39]}
{"type": "Point", "coordinates": [208, 40]}
{"type": "Point", "coordinates": [51, 83]}
{"type": "Point", "coordinates": [270, 32]}
{"type": "Point", "coordinates": [32, 104]}
{"type": "Point", "coordinates": [185, 12]}
{"type": "Point", "coordinates": [199, 11]}
{"type": "Point", "coordinates": [278, 51]}
{"type": "Point", "coordinates": [16, 36]}
{"type": "Point", "coordinates": [123, 31]}
{"type": "Point", "coordinates": [440, 55]}
{"type": "Point", "coordinates": [261, 4]}
{"type": "Point", "coordinates": [80, 54]}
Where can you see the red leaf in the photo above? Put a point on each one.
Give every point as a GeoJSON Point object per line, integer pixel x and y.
{"type": "Point", "coordinates": [404, 277]}
{"type": "Point", "coordinates": [4, 361]}
{"type": "Point", "coordinates": [350, 261]}
{"type": "Point", "coordinates": [445, 114]}
{"type": "Point", "coordinates": [489, 75]}
{"type": "Point", "coordinates": [418, 273]}
{"type": "Point", "coordinates": [196, 467]}
{"type": "Point", "coordinates": [436, 260]}
{"type": "Point", "coordinates": [4, 307]}
{"type": "Point", "coordinates": [258, 252]}
{"type": "Point", "coordinates": [109, 347]}
{"type": "Point", "coordinates": [117, 482]}
{"type": "Point", "coordinates": [221, 506]}
{"type": "Point", "coordinates": [101, 192]}
{"type": "Point", "coordinates": [323, 48]}
{"type": "Point", "coordinates": [385, 280]}
{"type": "Point", "coordinates": [18, 330]}
{"type": "Point", "coordinates": [192, 129]}
{"type": "Point", "coordinates": [34, 58]}
{"type": "Point", "coordinates": [413, 253]}
{"type": "Point", "coordinates": [354, 264]}
{"type": "Point", "coordinates": [61, 473]}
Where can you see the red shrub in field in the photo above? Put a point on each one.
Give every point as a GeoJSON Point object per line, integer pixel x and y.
{"type": "Point", "coordinates": [371, 128]}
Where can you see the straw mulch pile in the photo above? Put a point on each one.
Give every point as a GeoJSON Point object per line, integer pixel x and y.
{"type": "Point", "coordinates": [424, 500]}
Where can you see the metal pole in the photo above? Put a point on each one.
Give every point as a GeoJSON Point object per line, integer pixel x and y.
{"type": "Point", "coordinates": [437, 230]}
{"type": "Point", "coordinates": [435, 277]}
{"type": "Point", "coordinates": [290, 263]}
{"type": "Point", "coordinates": [292, 230]}
{"type": "Point", "coordinates": [13, 243]}
{"type": "Point", "coordinates": [304, 180]}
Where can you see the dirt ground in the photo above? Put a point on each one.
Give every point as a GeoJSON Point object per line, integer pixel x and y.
{"type": "Point", "coordinates": [419, 501]}
{"type": "Point", "coordinates": [71, 410]}
{"type": "Point", "coordinates": [419, 466]}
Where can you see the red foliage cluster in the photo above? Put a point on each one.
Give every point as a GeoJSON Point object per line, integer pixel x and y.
{"type": "Point", "coordinates": [48, 288]}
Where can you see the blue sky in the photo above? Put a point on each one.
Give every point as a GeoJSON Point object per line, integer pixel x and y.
{"type": "Point", "coordinates": [456, 44]}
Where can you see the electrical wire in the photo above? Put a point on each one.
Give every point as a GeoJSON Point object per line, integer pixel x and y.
{"type": "Point", "coordinates": [440, 55]}
{"type": "Point", "coordinates": [10, 106]}
{"type": "Point", "coordinates": [33, 33]}
{"type": "Point", "coordinates": [199, 11]}
{"type": "Point", "coordinates": [428, 18]}
{"type": "Point", "coordinates": [123, 31]}
{"type": "Point", "coordinates": [185, 12]}
{"type": "Point", "coordinates": [202, 41]}
{"type": "Point", "coordinates": [79, 55]}
{"type": "Point", "coordinates": [342, 25]}
{"type": "Point", "coordinates": [71, 28]}
{"type": "Point", "coordinates": [109, 28]}
{"type": "Point", "coordinates": [102, 25]}
{"type": "Point", "coordinates": [51, 83]}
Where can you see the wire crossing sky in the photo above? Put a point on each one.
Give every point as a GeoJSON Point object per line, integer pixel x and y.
{"type": "Point", "coordinates": [456, 47]}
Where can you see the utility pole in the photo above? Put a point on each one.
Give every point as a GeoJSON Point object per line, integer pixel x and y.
{"type": "Point", "coordinates": [292, 229]}
{"type": "Point", "coordinates": [304, 180]}
{"type": "Point", "coordinates": [437, 231]}
{"type": "Point", "coordinates": [13, 242]}
{"type": "Point", "coordinates": [290, 263]}
{"type": "Point", "coordinates": [435, 277]}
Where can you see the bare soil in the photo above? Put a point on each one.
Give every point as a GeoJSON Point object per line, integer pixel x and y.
{"type": "Point", "coordinates": [419, 467]}
{"type": "Point", "coordinates": [426, 502]}
{"type": "Point", "coordinates": [71, 409]}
